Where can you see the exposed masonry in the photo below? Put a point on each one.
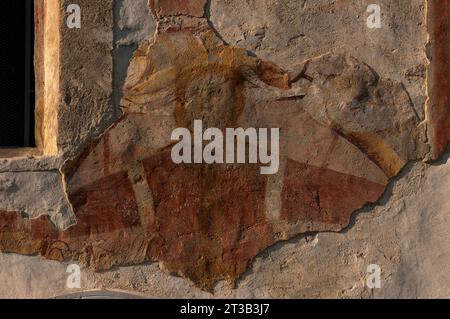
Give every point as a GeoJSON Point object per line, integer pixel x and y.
{"type": "Point", "coordinates": [124, 197]}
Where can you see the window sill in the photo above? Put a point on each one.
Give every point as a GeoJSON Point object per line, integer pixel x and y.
{"type": "Point", "coordinates": [19, 152]}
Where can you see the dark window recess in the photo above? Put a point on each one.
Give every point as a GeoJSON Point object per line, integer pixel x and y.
{"type": "Point", "coordinates": [17, 95]}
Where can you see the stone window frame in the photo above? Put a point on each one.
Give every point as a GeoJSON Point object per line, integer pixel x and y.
{"type": "Point", "coordinates": [47, 75]}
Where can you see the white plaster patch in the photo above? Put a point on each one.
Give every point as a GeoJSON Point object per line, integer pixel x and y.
{"type": "Point", "coordinates": [36, 194]}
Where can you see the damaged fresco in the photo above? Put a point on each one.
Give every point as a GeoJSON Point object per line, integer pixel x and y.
{"type": "Point", "coordinates": [346, 132]}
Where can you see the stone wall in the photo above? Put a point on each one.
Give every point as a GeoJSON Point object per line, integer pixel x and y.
{"type": "Point", "coordinates": [363, 176]}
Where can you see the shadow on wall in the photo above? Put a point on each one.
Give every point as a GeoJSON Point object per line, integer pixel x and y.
{"type": "Point", "coordinates": [133, 24]}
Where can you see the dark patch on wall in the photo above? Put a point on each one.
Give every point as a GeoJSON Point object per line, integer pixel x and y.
{"type": "Point", "coordinates": [16, 74]}
{"type": "Point", "coordinates": [122, 55]}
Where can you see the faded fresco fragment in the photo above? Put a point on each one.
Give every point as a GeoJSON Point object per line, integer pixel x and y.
{"type": "Point", "coordinates": [345, 132]}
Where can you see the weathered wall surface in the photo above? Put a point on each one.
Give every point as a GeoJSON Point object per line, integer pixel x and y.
{"type": "Point", "coordinates": [290, 32]}
{"type": "Point", "coordinates": [406, 235]}
{"type": "Point", "coordinates": [87, 107]}
{"type": "Point", "coordinates": [356, 123]}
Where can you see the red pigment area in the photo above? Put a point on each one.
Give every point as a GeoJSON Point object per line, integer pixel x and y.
{"type": "Point", "coordinates": [440, 88]}
{"type": "Point", "coordinates": [319, 195]}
